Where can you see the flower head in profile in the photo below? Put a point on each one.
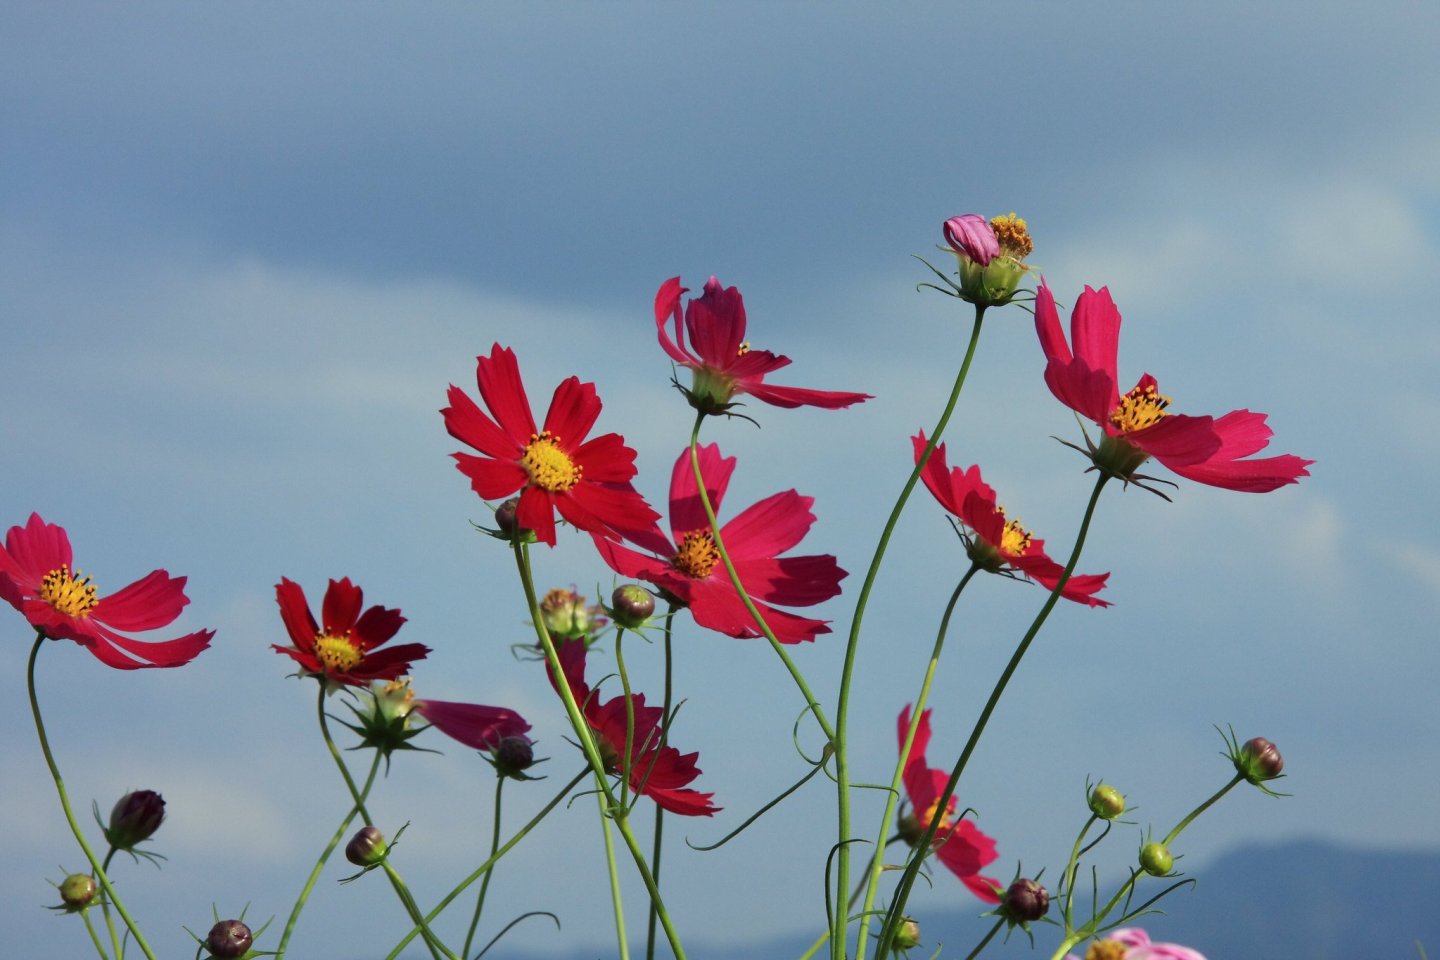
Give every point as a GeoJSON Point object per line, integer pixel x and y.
{"type": "Point", "coordinates": [344, 648]}
{"type": "Point", "coordinates": [38, 578]}
{"type": "Point", "coordinates": [1138, 424]}
{"type": "Point", "coordinates": [473, 724]}
{"type": "Point", "coordinates": [657, 771]}
{"type": "Point", "coordinates": [554, 468]}
{"type": "Point", "coordinates": [1132, 943]}
{"type": "Point", "coordinates": [999, 545]}
{"type": "Point", "coordinates": [723, 363]}
{"type": "Point", "coordinates": [991, 256]}
{"type": "Point", "coordinates": [687, 566]}
{"type": "Point", "coordinates": [959, 844]}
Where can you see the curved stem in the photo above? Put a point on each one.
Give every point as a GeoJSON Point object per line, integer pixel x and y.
{"type": "Point", "coordinates": [1067, 879]}
{"type": "Point", "coordinates": [1201, 809]}
{"type": "Point", "coordinates": [95, 865]}
{"type": "Point", "coordinates": [485, 883]}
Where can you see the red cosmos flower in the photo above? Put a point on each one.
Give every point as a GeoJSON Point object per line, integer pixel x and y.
{"type": "Point", "coordinates": [1137, 425]}
{"type": "Point", "coordinates": [472, 724]}
{"type": "Point", "coordinates": [999, 544]}
{"type": "Point", "coordinates": [36, 578]}
{"type": "Point", "coordinates": [691, 571]}
{"type": "Point", "coordinates": [723, 362]}
{"type": "Point", "coordinates": [555, 468]}
{"type": "Point", "coordinates": [958, 844]}
{"type": "Point", "coordinates": [661, 773]}
{"type": "Point", "coordinates": [345, 650]}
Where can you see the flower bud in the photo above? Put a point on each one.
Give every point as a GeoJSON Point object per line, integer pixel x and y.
{"type": "Point", "coordinates": [631, 605]}
{"type": "Point", "coordinates": [77, 890]}
{"type": "Point", "coordinates": [229, 939]}
{"type": "Point", "coordinates": [136, 816]}
{"type": "Point", "coordinates": [972, 235]}
{"type": "Point", "coordinates": [1025, 901]}
{"type": "Point", "coordinates": [505, 515]}
{"type": "Point", "coordinates": [565, 615]}
{"type": "Point", "coordinates": [1259, 760]}
{"type": "Point", "coordinates": [907, 935]}
{"type": "Point", "coordinates": [366, 848]}
{"type": "Point", "coordinates": [513, 755]}
{"type": "Point", "coordinates": [1106, 802]}
{"type": "Point", "coordinates": [1156, 859]}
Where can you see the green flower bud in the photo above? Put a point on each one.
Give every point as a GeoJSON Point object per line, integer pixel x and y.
{"type": "Point", "coordinates": [631, 605]}
{"type": "Point", "coordinates": [565, 615]}
{"type": "Point", "coordinates": [77, 890]}
{"type": "Point", "coordinates": [366, 848]}
{"type": "Point", "coordinates": [1025, 901]}
{"type": "Point", "coordinates": [229, 940]}
{"type": "Point", "coordinates": [1156, 859]}
{"type": "Point", "coordinates": [1106, 802]}
{"type": "Point", "coordinates": [135, 817]}
{"type": "Point", "coordinates": [907, 935]}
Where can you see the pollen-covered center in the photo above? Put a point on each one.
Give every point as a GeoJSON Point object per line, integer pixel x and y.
{"type": "Point", "coordinates": [744, 349]}
{"type": "Point", "coordinates": [1014, 539]}
{"type": "Point", "coordinates": [549, 467]}
{"type": "Point", "coordinates": [1106, 950]}
{"type": "Point", "coordinates": [337, 654]}
{"type": "Point", "coordinates": [943, 827]}
{"type": "Point", "coordinates": [1013, 235]}
{"type": "Point", "coordinates": [697, 555]}
{"type": "Point", "coordinates": [1142, 407]}
{"type": "Point", "coordinates": [70, 594]}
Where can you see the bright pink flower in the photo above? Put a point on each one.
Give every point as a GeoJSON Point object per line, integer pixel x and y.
{"type": "Point", "coordinates": [555, 468]}
{"type": "Point", "coordinates": [690, 569]}
{"type": "Point", "coordinates": [999, 544]}
{"type": "Point", "coordinates": [472, 724]}
{"type": "Point", "coordinates": [36, 578]}
{"type": "Point", "coordinates": [1137, 425]}
{"type": "Point", "coordinates": [958, 844]}
{"type": "Point", "coordinates": [972, 235]}
{"type": "Point", "coordinates": [723, 362]}
{"type": "Point", "coordinates": [344, 648]}
{"type": "Point", "coordinates": [661, 773]}
{"type": "Point", "coordinates": [1138, 947]}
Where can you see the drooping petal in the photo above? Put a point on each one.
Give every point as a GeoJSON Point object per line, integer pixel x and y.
{"type": "Point", "coordinates": [473, 724]}
{"type": "Point", "coordinates": [498, 377]}
{"type": "Point", "coordinates": [161, 653]}
{"type": "Point", "coordinates": [1242, 433]}
{"type": "Point", "coordinates": [715, 604]}
{"type": "Point", "coordinates": [150, 602]}
{"type": "Point", "coordinates": [790, 397]}
{"type": "Point", "coordinates": [667, 308]}
{"type": "Point", "coordinates": [1090, 392]}
{"type": "Point", "coordinates": [1038, 566]}
{"type": "Point", "coordinates": [536, 512]}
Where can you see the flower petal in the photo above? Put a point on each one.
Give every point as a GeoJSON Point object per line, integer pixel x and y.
{"type": "Point", "coordinates": [769, 527]}
{"type": "Point", "coordinates": [574, 408]}
{"type": "Point", "coordinates": [503, 392]}
{"type": "Point", "coordinates": [34, 550]}
{"type": "Point", "coordinates": [295, 612]}
{"type": "Point", "coordinates": [686, 511]}
{"type": "Point", "coordinates": [667, 308]}
{"type": "Point", "coordinates": [152, 601]}
{"type": "Point", "coordinates": [466, 422]}
{"type": "Point", "coordinates": [343, 601]}
{"type": "Point", "coordinates": [161, 653]}
{"type": "Point", "coordinates": [472, 724]}
{"type": "Point", "coordinates": [790, 397]}
{"type": "Point", "coordinates": [491, 479]}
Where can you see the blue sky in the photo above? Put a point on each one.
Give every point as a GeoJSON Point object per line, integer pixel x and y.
{"type": "Point", "coordinates": [245, 248]}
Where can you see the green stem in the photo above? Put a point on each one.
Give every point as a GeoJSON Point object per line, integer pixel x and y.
{"type": "Point", "coordinates": [65, 804]}
{"type": "Point", "coordinates": [1067, 879]}
{"type": "Point", "coordinates": [115, 943]}
{"type": "Point", "coordinates": [1201, 809]}
{"type": "Point", "coordinates": [485, 883]}
{"type": "Point", "coordinates": [614, 872]}
{"type": "Point", "coordinates": [659, 813]}
{"type": "Point", "coordinates": [852, 646]}
{"type": "Point", "coordinates": [985, 941]}
{"type": "Point", "coordinates": [821, 940]}
{"type": "Point", "coordinates": [907, 879]}
{"type": "Point", "coordinates": [94, 937]}
{"type": "Point", "coordinates": [629, 754]}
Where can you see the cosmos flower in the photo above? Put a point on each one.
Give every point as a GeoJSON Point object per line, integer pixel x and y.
{"type": "Point", "coordinates": [722, 361]}
{"type": "Point", "coordinates": [999, 545]}
{"type": "Point", "coordinates": [661, 773]}
{"type": "Point", "coordinates": [958, 844]}
{"type": "Point", "coordinates": [344, 649]}
{"type": "Point", "coordinates": [555, 468]}
{"type": "Point", "coordinates": [1132, 943]}
{"type": "Point", "coordinates": [1138, 424]}
{"type": "Point", "coordinates": [687, 565]}
{"type": "Point", "coordinates": [37, 577]}
{"type": "Point", "coordinates": [991, 256]}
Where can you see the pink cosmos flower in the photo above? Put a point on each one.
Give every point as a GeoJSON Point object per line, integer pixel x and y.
{"type": "Point", "coordinates": [344, 647]}
{"type": "Point", "coordinates": [1137, 946]}
{"type": "Point", "coordinates": [972, 235]}
{"type": "Point", "coordinates": [723, 363]}
{"type": "Point", "coordinates": [687, 565]}
{"type": "Point", "coordinates": [37, 578]}
{"type": "Point", "coordinates": [661, 773]}
{"type": "Point", "coordinates": [472, 724]}
{"type": "Point", "coordinates": [958, 844]}
{"type": "Point", "coordinates": [1138, 425]}
{"type": "Point", "coordinates": [999, 544]}
{"type": "Point", "coordinates": [556, 468]}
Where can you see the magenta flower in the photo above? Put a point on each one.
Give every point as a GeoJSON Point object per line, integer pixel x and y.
{"type": "Point", "coordinates": [344, 647]}
{"type": "Point", "coordinates": [472, 724]}
{"type": "Point", "coordinates": [1136, 945]}
{"type": "Point", "coordinates": [687, 565]}
{"type": "Point", "coordinates": [1138, 424]}
{"type": "Point", "coordinates": [972, 235]}
{"type": "Point", "coordinates": [723, 363]}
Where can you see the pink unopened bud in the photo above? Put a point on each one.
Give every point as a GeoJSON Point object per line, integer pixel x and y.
{"type": "Point", "coordinates": [513, 756]}
{"type": "Point", "coordinates": [972, 235]}
{"type": "Point", "coordinates": [631, 605]}
{"type": "Point", "coordinates": [1025, 901]}
{"type": "Point", "coordinates": [366, 848]}
{"type": "Point", "coordinates": [136, 817]}
{"type": "Point", "coordinates": [229, 939]}
{"type": "Point", "coordinates": [1259, 760]}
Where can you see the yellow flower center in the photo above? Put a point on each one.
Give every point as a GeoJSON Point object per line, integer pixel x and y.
{"type": "Point", "coordinates": [697, 555]}
{"type": "Point", "coordinates": [1140, 408]}
{"type": "Point", "coordinates": [1013, 235]}
{"type": "Point", "coordinates": [70, 594]}
{"type": "Point", "coordinates": [337, 654]}
{"type": "Point", "coordinates": [549, 467]}
{"type": "Point", "coordinates": [1105, 950]}
{"type": "Point", "coordinates": [945, 825]}
{"type": "Point", "coordinates": [1015, 539]}
{"type": "Point", "coordinates": [744, 349]}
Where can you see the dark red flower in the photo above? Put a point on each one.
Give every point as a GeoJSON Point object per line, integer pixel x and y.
{"type": "Point", "coordinates": [959, 844]}
{"type": "Point", "coordinates": [690, 568]}
{"type": "Point", "coordinates": [723, 362]}
{"type": "Point", "coordinates": [346, 648]}
{"type": "Point", "coordinates": [472, 724]}
{"type": "Point", "coordinates": [1138, 425]}
{"type": "Point", "coordinates": [554, 468]}
{"type": "Point", "coordinates": [37, 578]}
{"type": "Point", "coordinates": [999, 544]}
{"type": "Point", "coordinates": [661, 773]}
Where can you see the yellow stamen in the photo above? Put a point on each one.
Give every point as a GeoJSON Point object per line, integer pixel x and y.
{"type": "Point", "coordinates": [744, 349]}
{"type": "Point", "coordinates": [1014, 539]}
{"type": "Point", "coordinates": [1140, 408]}
{"type": "Point", "coordinates": [945, 825]}
{"type": "Point", "coordinates": [1013, 235]}
{"type": "Point", "coordinates": [1105, 950]}
{"type": "Point", "coordinates": [549, 467]}
{"type": "Point", "coordinates": [70, 594]}
{"type": "Point", "coordinates": [337, 654]}
{"type": "Point", "coordinates": [697, 555]}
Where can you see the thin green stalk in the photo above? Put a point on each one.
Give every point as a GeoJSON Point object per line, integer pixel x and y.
{"type": "Point", "coordinates": [95, 865]}
{"type": "Point", "coordinates": [115, 943]}
{"type": "Point", "coordinates": [821, 940]}
{"type": "Point", "coordinates": [614, 871]}
{"type": "Point", "coordinates": [1169, 837]}
{"type": "Point", "coordinates": [485, 884]}
{"type": "Point", "coordinates": [319, 867]}
{"type": "Point", "coordinates": [94, 937]}
{"type": "Point", "coordinates": [907, 879]}
{"type": "Point", "coordinates": [985, 941]}
{"type": "Point", "coordinates": [852, 645]}
{"type": "Point", "coordinates": [629, 754]}
{"type": "Point", "coordinates": [411, 907]}
{"type": "Point", "coordinates": [659, 813]}
{"type": "Point", "coordinates": [1067, 879]}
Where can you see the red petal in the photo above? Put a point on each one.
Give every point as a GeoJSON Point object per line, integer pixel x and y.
{"type": "Point", "coordinates": [163, 653]}
{"type": "Point", "coordinates": [716, 323]}
{"type": "Point", "coordinates": [472, 724]}
{"type": "Point", "coordinates": [667, 308]}
{"type": "Point", "coordinates": [769, 527]}
{"type": "Point", "coordinates": [343, 601]}
{"type": "Point", "coordinates": [606, 459]}
{"type": "Point", "coordinates": [503, 392]}
{"type": "Point", "coordinates": [466, 422]}
{"type": "Point", "coordinates": [792, 581]}
{"type": "Point", "coordinates": [491, 479]}
{"type": "Point", "coordinates": [295, 612]}
{"type": "Point", "coordinates": [537, 512]}
{"type": "Point", "coordinates": [1178, 440]}
{"type": "Point", "coordinates": [34, 550]}
{"type": "Point", "coordinates": [686, 511]}
{"type": "Point", "coordinates": [574, 408]}
{"type": "Point", "coordinates": [790, 397]}
{"type": "Point", "coordinates": [376, 626]}
{"type": "Point", "coordinates": [1095, 333]}
{"type": "Point", "coordinates": [150, 602]}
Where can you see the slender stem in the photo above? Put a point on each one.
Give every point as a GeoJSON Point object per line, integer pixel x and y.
{"type": "Point", "coordinates": [614, 871]}
{"type": "Point", "coordinates": [1067, 879]}
{"type": "Point", "coordinates": [985, 941]}
{"type": "Point", "coordinates": [907, 879]}
{"type": "Point", "coordinates": [824, 937]}
{"type": "Point", "coordinates": [411, 906]}
{"type": "Point", "coordinates": [659, 813]}
{"type": "Point", "coordinates": [1201, 809]}
{"type": "Point", "coordinates": [485, 883]}
{"type": "Point", "coordinates": [94, 937]}
{"type": "Point", "coordinates": [629, 754]}
{"type": "Point", "coordinates": [65, 804]}
{"type": "Point", "coordinates": [115, 943]}
{"type": "Point", "coordinates": [852, 646]}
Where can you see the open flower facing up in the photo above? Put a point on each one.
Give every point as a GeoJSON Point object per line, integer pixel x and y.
{"type": "Point", "coordinates": [1138, 424]}
{"type": "Point", "coordinates": [473, 724]}
{"type": "Point", "coordinates": [661, 773]}
{"type": "Point", "coordinates": [555, 468]}
{"type": "Point", "coordinates": [1132, 943]}
{"type": "Point", "coordinates": [722, 361]}
{"type": "Point", "coordinates": [999, 545]}
{"type": "Point", "coordinates": [689, 569]}
{"type": "Point", "coordinates": [38, 579]}
{"type": "Point", "coordinates": [959, 844]}
{"type": "Point", "coordinates": [344, 648]}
